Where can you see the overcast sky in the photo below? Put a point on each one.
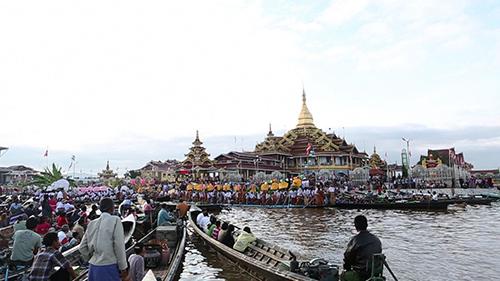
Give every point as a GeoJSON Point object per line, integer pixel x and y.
{"type": "Point", "coordinates": [132, 81]}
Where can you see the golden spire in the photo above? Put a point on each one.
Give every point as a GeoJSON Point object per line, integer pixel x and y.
{"type": "Point", "coordinates": [305, 117]}
{"type": "Point", "coordinates": [270, 133]}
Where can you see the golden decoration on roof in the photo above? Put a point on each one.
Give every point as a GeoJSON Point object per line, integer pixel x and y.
{"type": "Point", "coordinates": [305, 117]}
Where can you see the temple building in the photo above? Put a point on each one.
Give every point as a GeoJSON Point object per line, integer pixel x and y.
{"type": "Point", "coordinates": [442, 165]}
{"type": "Point", "coordinates": [378, 167]}
{"type": "Point", "coordinates": [197, 161]}
{"type": "Point", "coordinates": [306, 148]}
{"type": "Point", "coordinates": [107, 174]}
{"type": "Point", "coordinates": [160, 171]}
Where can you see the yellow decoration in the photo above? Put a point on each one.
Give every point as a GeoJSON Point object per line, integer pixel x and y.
{"type": "Point", "coordinates": [264, 187]}
{"type": "Point", "coordinates": [297, 182]}
{"type": "Point", "coordinates": [219, 187]}
{"type": "Point", "coordinates": [275, 186]}
{"type": "Point", "coordinates": [283, 185]}
{"type": "Point", "coordinates": [237, 187]}
{"type": "Point", "coordinates": [227, 187]}
{"type": "Point", "coordinates": [210, 187]}
{"type": "Point", "coordinates": [189, 187]}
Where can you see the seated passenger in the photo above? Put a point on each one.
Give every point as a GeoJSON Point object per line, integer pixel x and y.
{"type": "Point", "coordinates": [222, 231]}
{"type": "Point", "coordinates": [215, 231]}
{"type": "Point", "coordinates": [26, 243]}
{"type": "Point", "coordinates": [164, 216]}
{"type": "Point", "coordinates": [228, 238]}
{"type": "Point", "coordinates": [244, 239]}
{"type": "Point", "coordinates": [359, 252]}
{"type": "Point", "coordinates": [209, 229]}
{"type": "Point", "coordinates": [50, 257]}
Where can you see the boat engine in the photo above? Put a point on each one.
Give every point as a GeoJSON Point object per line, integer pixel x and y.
{"type": "Point", "coordinates": [319, 269]}
{"type": "Point", "coordinates": [152, 257]}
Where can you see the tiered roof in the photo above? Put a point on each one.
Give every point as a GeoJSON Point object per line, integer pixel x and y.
{"type": "Point", "coordinates": [107, 173]}
{"type": "Point", "coordinates": [197, 156]}
{"type": "Point", "coordinates": [295, 141]}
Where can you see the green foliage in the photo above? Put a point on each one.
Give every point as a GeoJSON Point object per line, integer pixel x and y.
{"type": "Point", "coordinates": [49, 176]}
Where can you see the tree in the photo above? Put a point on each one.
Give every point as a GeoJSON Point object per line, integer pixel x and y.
{"type": "Point", "coordinates": [49, 176]}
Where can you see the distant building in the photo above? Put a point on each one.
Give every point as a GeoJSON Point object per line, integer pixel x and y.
{"type": "Point", "coordinates": [442, 165]}
{"type": "Point", "coordinates": [160, 171]}
{"type": "Point", "coordinates": [16, 174]}
{"type": "Point", "coordinates": [197, 162]}
{"type": "Point", "coordinates": [107, 174]}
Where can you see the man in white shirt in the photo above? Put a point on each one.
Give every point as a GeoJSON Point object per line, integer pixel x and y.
{"type": "Point", "coordinates": [103, 245]}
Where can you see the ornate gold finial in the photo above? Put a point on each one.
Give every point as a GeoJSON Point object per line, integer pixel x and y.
{"type": "Point", "coordinates": [305, 117]}
{"type": "Point", "coordinates": [374, 149]}
{"type": "Point", "coordinates": [107, 165]}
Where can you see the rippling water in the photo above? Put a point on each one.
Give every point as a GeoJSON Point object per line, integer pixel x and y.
{"type": "Point", "coordinates": [461, 244]}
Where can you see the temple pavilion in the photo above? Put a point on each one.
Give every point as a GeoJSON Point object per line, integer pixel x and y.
{"type": "Point", "coordinates": [107, 174]}
{"type": "Point", "coordinates": [197, 160]}
{"type": "Point", "coordinates": [307, 148]}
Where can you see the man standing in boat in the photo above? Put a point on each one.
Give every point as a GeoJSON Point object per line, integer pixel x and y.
{"type": "Point", "coordinates": [359, 252]}
{"type": "Point", "coordinates": [103, 245]}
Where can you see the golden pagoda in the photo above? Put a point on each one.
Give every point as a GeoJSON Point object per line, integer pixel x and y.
{"type": "Point", "coordinates": [307, 147]}
{"type": "Point", "coordinates": [376, 162]}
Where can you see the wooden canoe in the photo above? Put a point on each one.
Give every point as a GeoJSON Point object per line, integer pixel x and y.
{"type": "Point", "coordinates": [166, 272]}
{"type": "Point", "coordinates": [267, 261]}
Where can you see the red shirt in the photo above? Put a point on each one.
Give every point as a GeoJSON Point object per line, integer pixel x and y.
{"type": "Point", "coordinates": [42, 228]}
{"type": "Point", "coordinates": [61, 220]}
{"type": "Point", "coordinates": [53, 204]}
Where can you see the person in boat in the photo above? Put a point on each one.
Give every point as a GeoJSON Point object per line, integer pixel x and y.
{"type": "Point", "coordinates": [209, 229]}
{"type": "Point", "coordinates": [222, 231]}
{"type": "Point", "coordinates": [16, 208]}
{"type": "Point", "coordinates": [26, 243]}
{"type": "Point", "coordinates": [46, 209]}
{"type": "Point", "coordinates": [103, 246]}
{"type": "Point", "coordinates": [73, 241]}
{"type": "Point", "coordinates": [48, 259]}
{"type": "Point", "coordinates": [43, 226]}
{"type": "Point", "coordinates": [164, 216]}
{"type": "Point", "coordinates": [202, 219]}
{"type": "Point", "coordinates": [359, 252]}
{"type": "Point", "coordinates": [244, 239]}
{"type": "Point", "coordinates": [79, 227]}
{"type": "Point", "coordinates": [61, 220]}
{"type": "Point", "coordinates": [182, 209]}
{"type": "Point", "coordinates": [93, 213]}
{"type": "Point", "coordinates": [216, 230]}
{"type": "Point", "coordinates": [136, 261]}
{"type": "Point", "coordinates": [228, 238]}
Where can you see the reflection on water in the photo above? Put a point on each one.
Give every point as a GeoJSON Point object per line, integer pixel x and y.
{"type": "Point", "coordinates": [461, 244]}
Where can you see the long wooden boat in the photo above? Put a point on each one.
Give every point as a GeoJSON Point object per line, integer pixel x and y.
{"type": "Point", "coordinates": [175, 237]}
{"type": "Point", "coordinates": [73, 254]}
{"type": "Point", "coordinates": [262, 259]}
{"type": "Point", "coordinates": [417, 205]}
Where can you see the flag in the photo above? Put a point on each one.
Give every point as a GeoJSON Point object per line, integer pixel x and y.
{"type": "Point", "coordinates": [308, 148]}
{"type": "Point", "coordinates": [73, 158]}
{"type": "Point", "coordinates": [46, 154]}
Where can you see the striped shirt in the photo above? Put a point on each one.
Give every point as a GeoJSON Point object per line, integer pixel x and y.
{"type": "Point", "coordinates": [44, 264]}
